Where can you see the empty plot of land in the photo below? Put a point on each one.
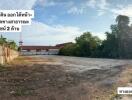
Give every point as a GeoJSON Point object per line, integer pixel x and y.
{"type": "Point", "coordinates": [64, 78]}
{"type": "Point", "coordinates": [80, 64]}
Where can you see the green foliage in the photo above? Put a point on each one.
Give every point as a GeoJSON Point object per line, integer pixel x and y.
{"type": "Point", "coordinates": [122, 20]}
{"type": "Point", "coordinates": [110, 46]}
{"type": "Point", "coordinates": [116, 45]}
{"type": "Point", "coordinates": [2, 40]}
{"type": "Point", "coordinates": [124, 36]}
{"type": "Point", "coordinates": [85, 46]}
{"type": "Point", "coordinates": [68, 50]}
{"type": "Point", "coordinates": [11, 44]}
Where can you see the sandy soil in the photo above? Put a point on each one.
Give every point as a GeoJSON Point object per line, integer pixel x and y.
{"type": "Point", "coordinates": [64, 78]}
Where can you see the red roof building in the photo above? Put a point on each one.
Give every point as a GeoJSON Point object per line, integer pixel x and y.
{"type": "Point", "coordinates": [42, 50]}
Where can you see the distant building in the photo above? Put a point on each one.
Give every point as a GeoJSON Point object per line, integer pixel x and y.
{"type": "Point", "coordinates": [62, 45]}
{"type": "Point", "coordinates": [42, 50]}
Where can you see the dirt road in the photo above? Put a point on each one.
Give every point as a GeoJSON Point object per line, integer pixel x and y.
{"type": "Point", "coordinates": [64, 78]}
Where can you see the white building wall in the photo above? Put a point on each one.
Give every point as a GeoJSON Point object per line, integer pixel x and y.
{"type": "Point", "coordinates": [42, 52]}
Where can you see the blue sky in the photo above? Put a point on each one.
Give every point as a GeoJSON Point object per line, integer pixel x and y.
{"type": "Point", "coordinates": [59, 21]}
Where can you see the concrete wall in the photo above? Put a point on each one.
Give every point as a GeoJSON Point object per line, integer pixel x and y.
{"type": "Point", "coordinates": [7, 54]}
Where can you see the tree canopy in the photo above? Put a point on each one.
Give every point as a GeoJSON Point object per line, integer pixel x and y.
{"type": "Point", "coordinates": [116, 45]}
{"type": "Point", "coordinates": [11, 44]}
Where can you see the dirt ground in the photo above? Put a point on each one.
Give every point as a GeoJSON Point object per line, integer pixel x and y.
{"type": "Point", "coordinates": [64, 78]}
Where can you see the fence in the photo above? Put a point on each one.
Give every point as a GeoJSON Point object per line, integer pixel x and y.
{"type": "Point", "coordinates": [7, 54]}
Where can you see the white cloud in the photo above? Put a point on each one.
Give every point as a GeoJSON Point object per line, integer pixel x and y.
{"type": "Point", "coordinates": [13, 5]}
{"type": "Point", "coordinates": [50, 3]}
{"type": "Point", "coordinates": [101, 12]}
{"type": "Point", "coordinates": [126, 10]}
{"type": "Point", "coordinates": [101, 35]}
{"type": "Point", "coordinates": [49, 35]}
{"type": "Point", "coordinates": [42, 34]}
{"type": "Point", "coordinates": [91, 3]}
{"type": "Point", "coordinates": [100, 5]}
{"type": "Point", "coordinates": [46, 3]}
{"type": "Point", "coordinates": [16, 4]}
{"type": "Point", "coordinates": [75, 10]}
{"type": "Point", "coordinates": [52, 19]}
{"type": "Point", "coordinates": [103, 4]}
{"type": "Point", "coordinates": [39, 33]}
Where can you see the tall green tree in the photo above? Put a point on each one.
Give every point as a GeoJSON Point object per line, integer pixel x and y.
{"type": "Point", "coordinates": [87, 44]}
{"type": "Point", "coordinates": [116, 45]}
{"type": "Point", "coordinates": [110, 45]}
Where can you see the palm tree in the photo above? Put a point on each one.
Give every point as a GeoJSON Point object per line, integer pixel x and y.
{"type": "Point", "coordinates": [122, 20]}
{"type": "Point", "coordinates": [124, 30]}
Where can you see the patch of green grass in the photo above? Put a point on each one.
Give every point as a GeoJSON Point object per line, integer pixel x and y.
{"type": "Point", "coordinates": [2, 68]}
{"type": "Point", "coordinates": [115, 96]}
{"type": "Point", "coordinates": [19, 58]}
{"type": "Point", "coordinates": [131, 74]}
{"type": "Point", "coordinates": [22, 92]}
{"type": "Point", "coordinates": [130, 80]}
